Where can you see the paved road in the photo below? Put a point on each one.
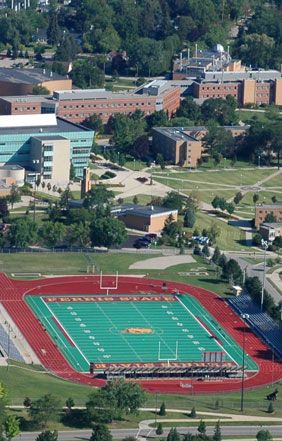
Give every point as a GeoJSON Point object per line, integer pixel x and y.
{"type": "Point", "coordinates": [75, 435]}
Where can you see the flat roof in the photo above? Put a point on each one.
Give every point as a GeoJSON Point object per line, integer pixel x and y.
{"type": "Point", "coordinates": [88, 94]}
{"type": "Point", "coordinates": [273, 206]}
{"type": "Point", "coordinates": [258, 75]}
{"type": "Point", "coordinates": [28, 76]}
{"type": "Point", "coordinates": [36, 120]}
{"type": "Point", "coordinates": [272, 224]}
{"type": "Point", "coordinates": [51, 138]}
{"type": "Point", "coordinates": [11, 167]}
{"type": "Point", "coordinates": [140, 210]}
{"type": "Point", "coordinates": [181, 132]}
{"type": "Point", "coordinates": [61, 126]}
{"type": "Point", "coordinates": [26, 98]}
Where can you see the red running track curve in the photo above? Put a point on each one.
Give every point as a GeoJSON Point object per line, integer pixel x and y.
{"type": "Point", "coordinates": [12, 294]}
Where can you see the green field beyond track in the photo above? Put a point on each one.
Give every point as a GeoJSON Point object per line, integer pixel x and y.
{"type": "Point", "coordinates": [123, 331]}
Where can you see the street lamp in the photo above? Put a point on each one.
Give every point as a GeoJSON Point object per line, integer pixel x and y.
{"type": "Point", "coordinates": [258, 161]}
{"type": "Point", "coordinates": [244, 317]}
{"type": "Point", "coordinates": [35, 162]}
{"type": "Point", "coordinates": [264, 244]}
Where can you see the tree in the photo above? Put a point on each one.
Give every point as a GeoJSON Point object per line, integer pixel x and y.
{"type": "Point", "coordinates": [127, 397]}
{"type": "Point", "coordinates": [237, 198]}
{"type": "Point", "coordinates": [49, 186]}
{"type": "Point", "coordinates": [193, 413]}
{"type": "Point", "coordinates": [255, 198]}
{"type": "Point", "coordinates": [67, 48]}
{"type": "Point", "coordinates": [157, 119]}
{"type": "Point", "coordinates": [257, 49]}
{"type": "Point", "coordinates": [172, 229]}
{"type": "Point", "coordinates": [79, 234]}
{"type": "Point", "coordinates": [160, 161]}
{"type": "Point", "coordinates": [173, 435]}
{"type": "Point", "coordinates": [4, 212]}
{"type": "Point", "coordinates": [174, 200]}
{"type": "Point", "coordinates": [257, 238]}
{"type": "Point", "coordinates": [263, 435]}
{"type": "Point", "coordinates": [107, 232]}
{"type": "Point", "coordinates": [213, 232]}
{"type": "Point", "coordinates": [270, 218]}
{"type": "Point", "coordinates": [11, 427]}
{"type": "Point", "coordinates": [159, 429]}
{"type": "Point", "coordinates": [216, 255]}
{"type": "Point", "coordinates": [202, 428]}
{"type": "Point", "coordinates": [135, 200]}
{"type": "Point", "coordinates": [270, 408]}
{"type": "Point", "coordinates": [52, 233]}
{"type": "Point", "coordinates": [72, 171]}
{"type": "Point", "coordinates": [53, 31]}
{"type": "Point", "coordinates": [162, 411]}
{"type": "Point", "coordinates": [40, 90]}
{"type": "Point", "coordinates": [223, 111]}
{"type": "Point", "coordinates": [47, 435]}
{"type": "Point", "coordinates": [217, 432]}
{"type": "Point", "coordinates": [27, 402]}
{"type": "Point", "coordinates": [44, 409]}
{"type": "Point", "coordinates": [101, 433]}
{"type": "Point", "coordinates": [66, 195]}
{"type": "Point", "coordinates": [69, 404]}
{"type": "Point", "coordinates": [126, 129]}
{"type": "Point", "coordinates": [95, 122]}
{"type": "Point", "coordinates": [206, 251]}
{"type": "Point", "coordinates": [23, 232]}
{"type": "Point", "coordinates": [189, 218]}
{"type": "Point", "coordinates": [99, 195]}
{"type": "Point", "coordinates": [232, 271]}
{"type": "Point", "coordinates": [229, 207]}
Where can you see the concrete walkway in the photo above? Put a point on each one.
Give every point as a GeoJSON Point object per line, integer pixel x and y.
{"type": "Point", "coordinates": [160, 263]}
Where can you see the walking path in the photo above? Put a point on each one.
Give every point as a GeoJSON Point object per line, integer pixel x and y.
{"type": "Point", "coordinates": [162, 262]}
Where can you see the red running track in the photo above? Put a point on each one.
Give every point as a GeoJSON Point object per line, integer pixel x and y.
{"type": "Point", "coordinates": [12, 297]}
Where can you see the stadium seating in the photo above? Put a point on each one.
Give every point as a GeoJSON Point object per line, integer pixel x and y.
{"type": "Point", "coordinates": [264, 326]}
{"type": "Point", "coordinates": [9, 347]}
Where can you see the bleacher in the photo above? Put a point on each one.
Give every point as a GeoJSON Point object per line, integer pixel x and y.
{"type": "Point", "coordinates": [7, 346]}
{"type": "Point", "coordinates": [262, 324]}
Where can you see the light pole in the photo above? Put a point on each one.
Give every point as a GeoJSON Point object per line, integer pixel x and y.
{"type": "Point", "coordinates": [264, 244]}
{"type": "Point", "coordinates": [35, 162]}
{"type": "Point", "coordinates": [258, 161]}
{"type": "Point", "coordinates": [244, 317]}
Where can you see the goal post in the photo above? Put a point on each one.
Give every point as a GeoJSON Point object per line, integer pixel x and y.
{"type": "Point", "coordinates": [168, 360]}
{"type": "Point", "coordinates": [110, 287]}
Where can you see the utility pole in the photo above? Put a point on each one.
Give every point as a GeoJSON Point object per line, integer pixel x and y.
{"type": "Point", "coordinates": [264, 244]}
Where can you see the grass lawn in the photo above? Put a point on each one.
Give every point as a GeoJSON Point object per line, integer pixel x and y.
{"type": "Point", "coordinates": [143, 199]}
{"type": "Point", "coordinates": [225, 177]}
{"type": "Point", "coordinates": [274, 182]}
{"type": "Point", "coordinates": [246, 116]}
{"type": "Point", "coordinates": [230, 238]}
{"type": "Point", "coordinates": [135, 165]}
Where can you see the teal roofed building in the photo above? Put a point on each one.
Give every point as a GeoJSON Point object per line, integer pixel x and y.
{"type": "Point", "coordinates": [45, 145]}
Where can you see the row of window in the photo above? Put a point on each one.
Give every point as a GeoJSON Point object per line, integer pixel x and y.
{"type": "Point", "coordinates": [108, 105]}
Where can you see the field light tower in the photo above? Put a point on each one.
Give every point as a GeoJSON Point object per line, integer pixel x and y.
{"type": "Point", "coordinates": [264, 245]}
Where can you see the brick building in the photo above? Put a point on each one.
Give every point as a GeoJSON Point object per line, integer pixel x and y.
{"type": "Point", "coordinates": [264, 209]}
{"type": "Point", "coordinates": [16, 81]}
{"type": "Point", "coordinates": [249, 87]}
{"type": "Point", "coordinates": [27, 105]}
{"type": "Point", "coordinates": [183, 145]}
{"type": "Point", "coordinates": [150, 218]}
{"type": "Point", "coordinates": [78, 105]}
{"type": "Point", "coordinates": [270, 231]}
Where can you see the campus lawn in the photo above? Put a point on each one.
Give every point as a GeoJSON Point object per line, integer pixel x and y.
{"type": "Point", "coordinates": [230, 238]}
{"type": "Point", "coordinates": [246, 116]}
{"type": "Point", "coordinates": [135, 165]}
{"type": "Point", "coordinates": [237, 177]}
{"type": "Point", "coordinates": [143, 199]}
{"type": "Point", "coordinates": [276, 181]}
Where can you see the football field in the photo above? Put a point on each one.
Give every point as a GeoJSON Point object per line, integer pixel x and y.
{"type": "Point", "coordinates": [133, 329]}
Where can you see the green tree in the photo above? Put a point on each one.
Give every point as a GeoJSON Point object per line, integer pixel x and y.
{"type": "Point", "coordinates": [126, 129]}
{"type": "Point", "coordinates": [190, 110]}
{"type": "Point", "coordinates": [202, 427]}
{"type": "Point", "coordinates": [193, 413]}
{"type": "Point", "coordinates": [95, 122]}
{"type": "Point", "coordinates": [263, 435]}
{"type": "Point", "coordinates": [257, 49]}
{"type": "Point", "coordinates": [270, 408]}
{"type": "Point", "coordinates": [101, 433]}
{"type": "Point", "coordinates": [69, 404]}
{"type": "Point", "coordinates": [87, 74]}
{"type": "Point", "coordinates": [237, 198]}
{"type": "Point", "coordinates": [27, 402]}
{"type": "Point", "coordinates": [157, 119]}
{"type": "Point", "coordinates": [79, 234]}
{"type": "Point", "coordinates": [213, 232]}
{"type": "Point", "coordinates": [270, 217]}
{"type": "Point", "coordinates": [47, 435]}
{"type": "Point", "coordinates": [11, 427]}
{"type": "Point", "coordinates": [4, 212]}
{"type": "Point", "coordinates": [40, 90]}
{"type": "Point", "coordinates": [257, 238]}
{"type": "Point", "coordinates": [162, 411]}
{"type": "Point", "coordinates": [174, 200]}
{"type": "Point", "coordinates": [232, 271]}
{"type": "Point", "coordinates": [159, 429]}
{"type": "Point", "coordinates": [206, 251]}
{"type": "Point", "coordinates": [53, 31]}
{"type": "Point", "coordinates": [72, 171]}
{"type": "Point", "coordinates": [52, 233]}
{"type": "Point", "coordinates": [99, 195]}
{"type": "Point", "coordinates": [23, 232]}
{"type": "Point", "coordinates": [107, 232]}
{"type": "Point", "coordinates": [217, 432]}
{"type": "Point", "coordinates": [135, 200]}
{"type": "Point", "coordinates": [255, 198]}
{"type": "Point", "coordinates": [216, 255]}
{"type": "Point", "coordinates": [67, 48]}
{"type": "Point", "coordinates": [43, 410]}
{"type": "Point", "coordinates": [189, 218]}
{"type": "Point", "coordinates": [173, 435]}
